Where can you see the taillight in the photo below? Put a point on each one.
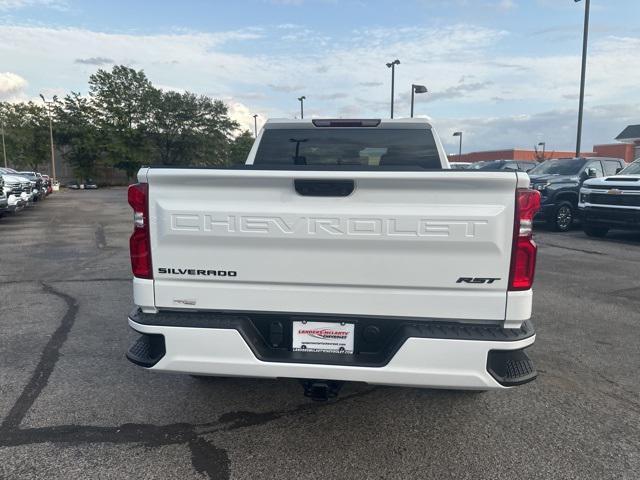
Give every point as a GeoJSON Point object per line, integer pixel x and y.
{"type": "Point", "coordinates": [523, 253]}
{"type": "Point", "coordinates": [139, 245]}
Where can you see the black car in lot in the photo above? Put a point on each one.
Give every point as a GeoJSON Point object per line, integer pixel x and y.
{"type": "Point", "coordinates": [559, 181]}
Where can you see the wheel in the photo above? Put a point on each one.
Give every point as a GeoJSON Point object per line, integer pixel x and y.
{"type": "Point", "coordinates": [594, 231]}
{"type": "Point", "coordinates": [562, 217]}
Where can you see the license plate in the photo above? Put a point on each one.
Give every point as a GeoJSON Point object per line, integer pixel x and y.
{"type": "Point", "coordinates": [325, 337]}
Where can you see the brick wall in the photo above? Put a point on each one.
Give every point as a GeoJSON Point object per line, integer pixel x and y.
{"type": "Point", "coordinates": [616, 150]}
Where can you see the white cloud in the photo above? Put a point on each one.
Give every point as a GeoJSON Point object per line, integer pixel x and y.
{"type": "Point", "coordinates": [465, 77]}
{"type": "Point", "coordinates": [242, 114]}
{"type": "Point", "coordinates": [11, 85]}
{"type": "Point", "coordinates": [556, 127]}
{"type": "Point", "coordinates": [6, 5]}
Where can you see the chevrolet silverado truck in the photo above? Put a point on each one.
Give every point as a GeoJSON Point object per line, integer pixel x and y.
{"type": "Point", "coordinates": [344, 250]}
{"type": "Point", "coordinates": [611, 202]}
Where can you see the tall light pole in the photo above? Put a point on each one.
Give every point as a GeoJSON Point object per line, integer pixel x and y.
{"type": "Point", "coordinates": [392, 66]}
{"type": "Point", "coordinates": [302, 99]}
{"type": "Point", "coordinates": [255, 125]}
{"type": "Point", "coordinates": [4, 148]}
{"type": "Point", "coordinates": [416, 89]}
{"type": "Point", "coordinates": [459, 134]}
{"type": "Point", "coordinates": [585, 39]}
{"type": "Point", "coordinates": [544, 146]}
{"type": "Point", "coordinates": [53, 157]}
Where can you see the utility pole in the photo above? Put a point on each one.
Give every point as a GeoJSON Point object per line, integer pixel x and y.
{"type": "Point", "coordinates": [585, 39]}
{"type": "Point", "coordinates": [255, 125]}
{"type": "Point", "coordinates": [302, 99]}
{"type": "Point", "coordinates": [392, 66]}
{"type": "Point", "coordinates": [53, 157]}
{"type": "Point", "coordinates": [4, 148]}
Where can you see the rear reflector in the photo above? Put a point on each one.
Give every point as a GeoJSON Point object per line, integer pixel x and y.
{"type": "Point", "coordinates": [139, 245]}
{"type": "Point", "coordinates": [371, 122]}
{"type": "Point", "coordinates": [524, 250]}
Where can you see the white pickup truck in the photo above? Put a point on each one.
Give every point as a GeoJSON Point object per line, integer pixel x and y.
{"type": "Point", "coordinates": [345, 250]}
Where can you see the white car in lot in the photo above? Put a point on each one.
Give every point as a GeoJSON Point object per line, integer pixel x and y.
{"type": "Point", "coordinates": [346, 250]}
{"type": "Point", "coordinates": [13, 188]}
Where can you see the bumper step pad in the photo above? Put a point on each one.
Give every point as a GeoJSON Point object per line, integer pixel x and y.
{"type": "Point", "coordinates": [511, 367]}
{"type": "Point", "coordinates": [147, 350]}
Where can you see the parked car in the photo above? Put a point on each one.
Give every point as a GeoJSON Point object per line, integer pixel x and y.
{"type": "Point", "coordinates": [496, 165]}
{"type": "Point", "coordinates": [28, 193]}
{"type": "Point", "coordinates": [36, 184]}
{"type": "Point", "coordinates": [559, 182]}
{"type": "Point", "coordinates": [14, 189]}
{"type": "Point", "coordinates": [88, 184]}
{"type": "Point", "coordinates": [382, 268]}
{"type": "Point", "coordinates": [611, 202]}
{"type": "Point", "coordinates": [4, 200]}
{"type": "Point", "coordinates": [459, 165]}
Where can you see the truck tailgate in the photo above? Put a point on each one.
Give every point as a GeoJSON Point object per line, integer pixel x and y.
{"type": "Point", "coordinates": [397, 245]}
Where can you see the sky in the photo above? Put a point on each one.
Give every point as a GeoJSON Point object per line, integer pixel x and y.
{"type": "Point", "coordinates": [505, 72]}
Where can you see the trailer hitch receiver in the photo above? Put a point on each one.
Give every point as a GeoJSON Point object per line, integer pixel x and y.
{"type": "Point", "coordinates": [321, 390]}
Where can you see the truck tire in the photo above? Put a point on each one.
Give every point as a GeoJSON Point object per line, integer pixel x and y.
{"type": "Point", "coordinates": [594, 231]}
{"type": "Point", "coordinates": [562, 217]}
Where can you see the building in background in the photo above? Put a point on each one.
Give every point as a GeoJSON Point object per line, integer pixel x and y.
{"type": "Point", "coordinates": [630, 137]}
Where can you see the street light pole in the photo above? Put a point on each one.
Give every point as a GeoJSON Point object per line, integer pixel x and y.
{"type": "Point", "coordinates": [255, 125]}
{"type": "Point", "coordinates": [4, 148]}
{"type": "Point", "coordinates": [302, 99]}
{"type": "Point", "coordinates": [585, 39]}
{"type": "Point", "coordinates": [53, 158]}
{"type": "Point", "coordinates": [544, 146]}
{"type": "Point", "coordinates": [392, 66]}
{"type": "Point", "coordinates": [416, 89]}
{"type": "Point", "coordinates": [459, 134]}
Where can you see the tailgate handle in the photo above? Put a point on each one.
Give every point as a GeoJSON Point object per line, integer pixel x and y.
{"type": "Point", "coordinates": [324, 188]}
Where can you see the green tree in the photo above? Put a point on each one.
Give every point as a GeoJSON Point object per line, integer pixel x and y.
{"type": "Point", "coordinates": [26, 134]}
{"type": "Point", "coordinates": [240, 148]}
{"type": "Point", "coordinates": [77, 131]}
{"type": "Point", "coordinates": [188, 129]}
{"type": "Point", "coordinates": [125, 122]}
{"type": "Point", "coordinates": [123, 100]}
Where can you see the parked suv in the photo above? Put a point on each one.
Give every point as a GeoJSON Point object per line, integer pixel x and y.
{"type": "Point", "coordinates": [27, 186]}
{"type": "Point", "coordinates": [36, 184]}
{"type": "Point", "coordinates": [559, 182]}
{"type": "Point", "coordinates": [14, 191]}
{"type": "Point", "coordinates": [611, 202]}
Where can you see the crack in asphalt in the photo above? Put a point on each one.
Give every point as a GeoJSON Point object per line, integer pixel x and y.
{"type": "Point", "coordinates": [47, 362]}
{"type": "Point", "coordinates": [206, 458]}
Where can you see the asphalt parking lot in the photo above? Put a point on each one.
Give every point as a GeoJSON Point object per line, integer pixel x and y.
{"type": "Point", "coordinates": [72, 406]}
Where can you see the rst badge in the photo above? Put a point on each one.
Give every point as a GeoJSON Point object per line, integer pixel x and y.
{"type": "Point", "coordinates": [477, 280]}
